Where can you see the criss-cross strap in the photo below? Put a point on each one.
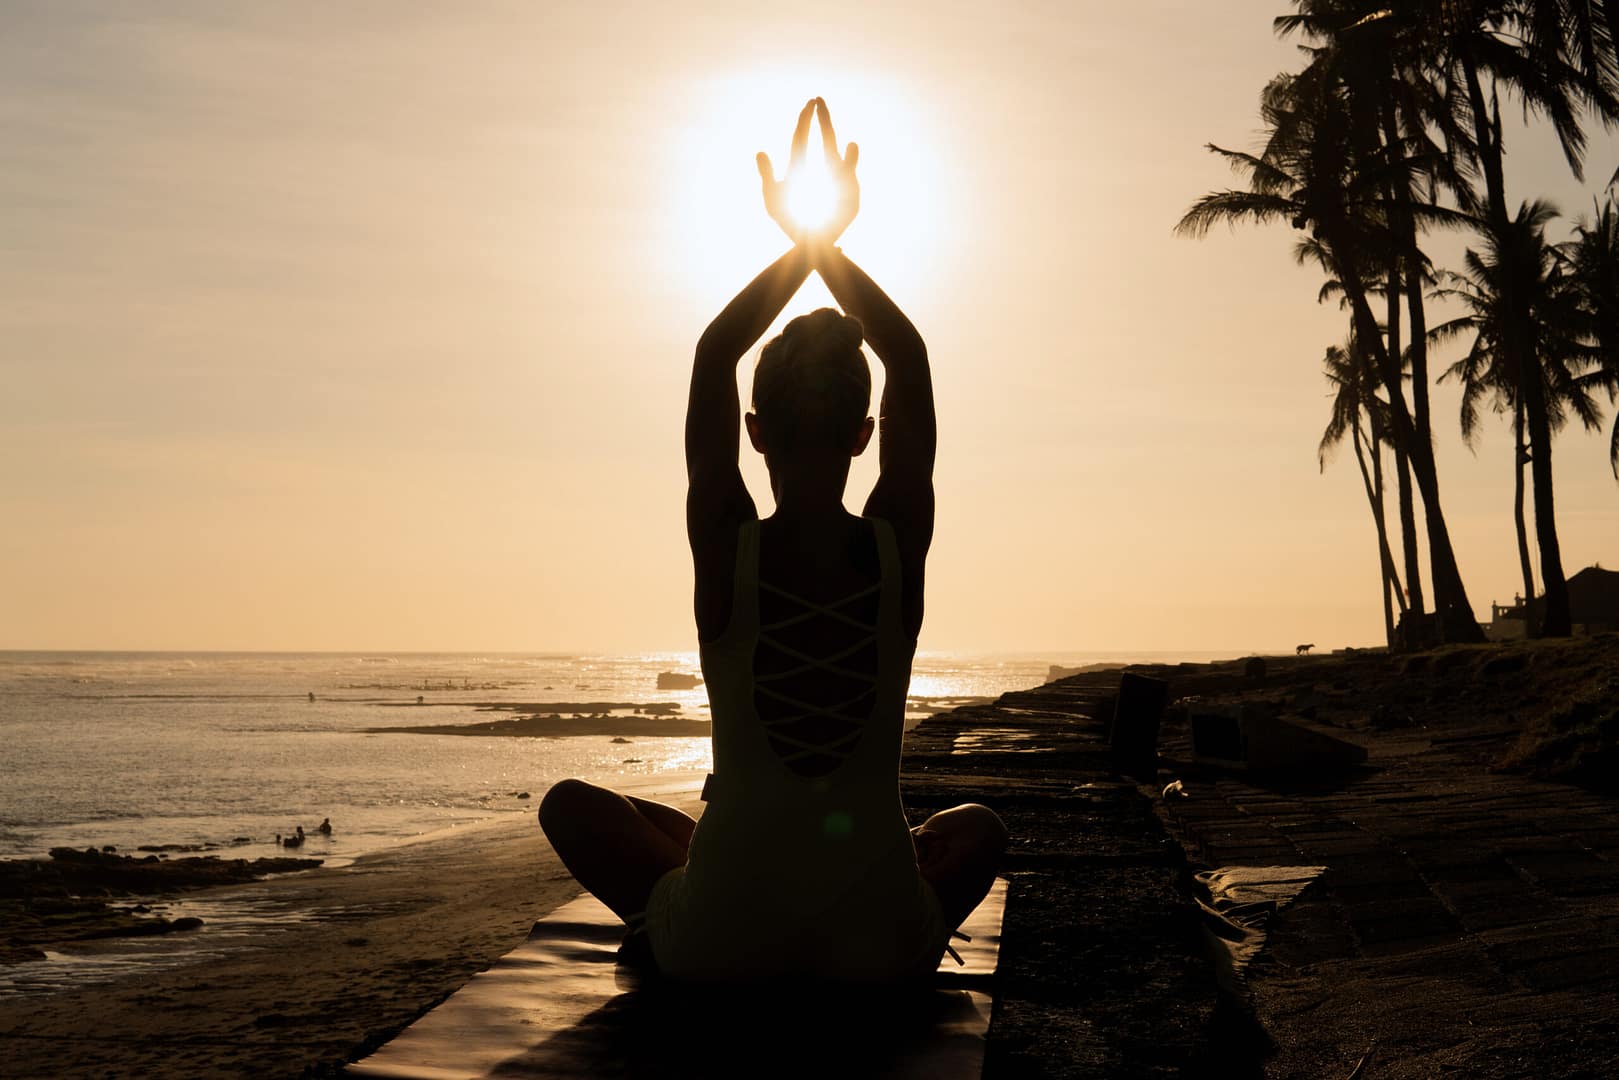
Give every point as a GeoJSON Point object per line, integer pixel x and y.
{"type": "Point", "coordinates": [810, 663]}
{"type": "Point", "coordinates": [846, 722]}
{"type": "Point", "coordinates": [812, 609]}
{"type": "Point", "coordinates": [840, 747]}
{"type": "Point", "coordinates": [810, 708]}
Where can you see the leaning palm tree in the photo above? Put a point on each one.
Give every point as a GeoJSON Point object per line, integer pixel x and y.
{"type": "Point", "coordinates": [1354, 396]}
{"type": "Point", "coordinates": [1315, 174]}
{"type": "Point", "coordinates": [1528, 355]}
{"type": "Point", "coordinates": [1379, 50]}
{"type": "Point", "coordinates": [1309, 250]}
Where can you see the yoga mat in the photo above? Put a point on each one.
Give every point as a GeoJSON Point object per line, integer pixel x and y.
{"type": "Point", "coordinates": [559, 1006]}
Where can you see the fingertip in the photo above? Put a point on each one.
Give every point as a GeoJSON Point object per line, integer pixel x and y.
{"type": "Point", "coordinates": [851, 155]}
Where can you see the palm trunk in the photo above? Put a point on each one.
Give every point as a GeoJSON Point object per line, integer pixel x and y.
{"type": "Point", "coordinates": [1378, 488]}
{"type": "Point", "coordinates": [1408, 530]}
{"type": "Point", "coordinates": [1557, 621]}
{"type": "Point", "coordinates": [1521, 453]}
{"type": "Point", "coordinates": [1456, 619]}
{"type": "Point", "coordinates": [1408, 286]}
{"type": "Point", "coordinates": [1391, 580]}
{"type": "Point", "coordinates": [1374, 496]}
{"type": "Point", "coordinates": [1419, 378]}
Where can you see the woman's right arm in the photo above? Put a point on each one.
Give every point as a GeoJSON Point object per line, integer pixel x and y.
{"type": "Point", "coordinates": [907, 433]}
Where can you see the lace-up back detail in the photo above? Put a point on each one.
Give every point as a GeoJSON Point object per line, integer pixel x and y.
{"type": "Point", "coordinates": [815, 670]}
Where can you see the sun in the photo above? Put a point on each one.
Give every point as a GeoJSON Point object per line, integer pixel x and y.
{"type": "Point", "coordinates": [721, 233]}
{"type": "Point", "coordinates": [811, 196]}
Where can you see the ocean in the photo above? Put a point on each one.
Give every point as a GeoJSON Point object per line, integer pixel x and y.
{"type": "Point", "coordinates": [219, 752]}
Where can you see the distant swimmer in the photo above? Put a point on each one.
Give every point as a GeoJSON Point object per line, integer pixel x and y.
{"type": "Point", "coordinates": [325, 827]}
{"type": "Point", "coordinates": [311, 695]}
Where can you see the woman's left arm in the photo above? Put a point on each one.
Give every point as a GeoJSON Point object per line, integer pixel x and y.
{"type": "Point", "coordinates": [716, 496]}
{"type": "Point", "coordinates": [713, 411]}
{"type": "Point", "coordinates": [717, 501]}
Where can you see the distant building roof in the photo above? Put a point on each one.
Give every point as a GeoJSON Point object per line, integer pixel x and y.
{"type": "Point", "coordinates": [1593, 595]}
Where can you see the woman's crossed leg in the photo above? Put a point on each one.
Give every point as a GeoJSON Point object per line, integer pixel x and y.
{"type": "Point", "coordinates": [616, 846]}
{"type": "Point", "coordinates": [959, 853]}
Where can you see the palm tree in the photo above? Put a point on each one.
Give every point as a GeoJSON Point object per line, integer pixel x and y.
{"type": "Point", "coordinates": [1528, 354]}
{"type": "Point", "coordinates": [1479, 376]}
{"type": "Point", "coordinates": [1591, 262]}
{"type": "Point", "coordinates": [1378, 49]}
{"type": "Point", "coordinates": [1444, 64]}
{"type": "Point", "coordinates": [1308, 250]}
{"type": "Point", "coordinates": [1354, 395]}
{"type": "Point", "coordinates": [1557, 57]}
{"type": "Point", "coordinates": [1315, 174]}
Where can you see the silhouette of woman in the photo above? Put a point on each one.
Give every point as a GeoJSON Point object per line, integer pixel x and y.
{"type": "Point", "coordinates": [807, 621]}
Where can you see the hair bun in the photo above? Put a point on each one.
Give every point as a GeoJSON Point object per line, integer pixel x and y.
{"type": "Point", "coordinates": [827, 327]}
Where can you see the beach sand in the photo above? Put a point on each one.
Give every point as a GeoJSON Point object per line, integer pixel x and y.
{"type": "Point", "coordinates": [388, 937]}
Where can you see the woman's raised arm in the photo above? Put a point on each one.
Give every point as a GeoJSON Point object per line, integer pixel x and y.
{"type": "Point", "coordinates": [717, 501]}
{"type": "Point", "coordinates": [713, 410]}
{"type": "Point", "coordinates": [907, 433]}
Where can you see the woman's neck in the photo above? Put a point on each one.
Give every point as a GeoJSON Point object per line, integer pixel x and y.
{"type": "Point", "coordinates": [806, 492]}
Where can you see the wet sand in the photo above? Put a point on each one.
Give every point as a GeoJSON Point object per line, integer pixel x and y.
{"type": "Point", "coordinates": [366, 949]}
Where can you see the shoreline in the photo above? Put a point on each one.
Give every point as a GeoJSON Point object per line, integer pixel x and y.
{"type": "Point", "coordinates": [301, 972]}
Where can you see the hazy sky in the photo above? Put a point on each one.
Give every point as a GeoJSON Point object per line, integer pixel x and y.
{"type": "Point", "coordinates": [368, 325]}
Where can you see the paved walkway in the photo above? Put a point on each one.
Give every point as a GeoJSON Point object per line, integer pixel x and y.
{"type": "Point", "coordinates": [1098, 971]}
{"type": "Point", "coordinates": [1467, 924]}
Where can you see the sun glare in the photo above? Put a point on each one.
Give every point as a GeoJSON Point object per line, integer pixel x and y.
{"type": "Point", "coordinates": [721, 232]}
{"type": "Point", "coordinates": [811, 197]}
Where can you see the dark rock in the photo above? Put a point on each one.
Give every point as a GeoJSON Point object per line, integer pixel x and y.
{"type": "Point", "coordinates": [19, 954]}
{"type": "Point", "coordinates": [189, 922]}
{"type": "Point", "coordinates": [1505, 665]}
{"type": "Point", "coordinates": [1388, 717]}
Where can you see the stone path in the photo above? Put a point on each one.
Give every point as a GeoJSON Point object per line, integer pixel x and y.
{"type": "Point", "coordinates": [1467, 924]}
{"type": "Point", "coordinates": [1098, 976]}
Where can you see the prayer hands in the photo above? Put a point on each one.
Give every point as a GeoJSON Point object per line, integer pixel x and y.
{"type": "Point", "coordinates": [811, 208]}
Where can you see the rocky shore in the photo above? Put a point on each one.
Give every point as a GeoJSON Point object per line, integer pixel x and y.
{"type": "Point", "coordinates": [555, 725]}
{"type": "Point", "coordinates": [1463, 880]}
{"type": "Point", "coordinates": [86, 895]}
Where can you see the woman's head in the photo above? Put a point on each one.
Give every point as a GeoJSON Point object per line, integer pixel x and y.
{"type": "Point", "coordinates": [812, 389]}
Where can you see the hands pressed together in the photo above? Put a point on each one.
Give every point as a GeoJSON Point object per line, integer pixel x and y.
{"type": "Point", "coordinates": [813, 235]}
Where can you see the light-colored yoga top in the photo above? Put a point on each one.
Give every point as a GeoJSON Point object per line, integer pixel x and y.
{"type": "Point", "coordinates": [795, 875]}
